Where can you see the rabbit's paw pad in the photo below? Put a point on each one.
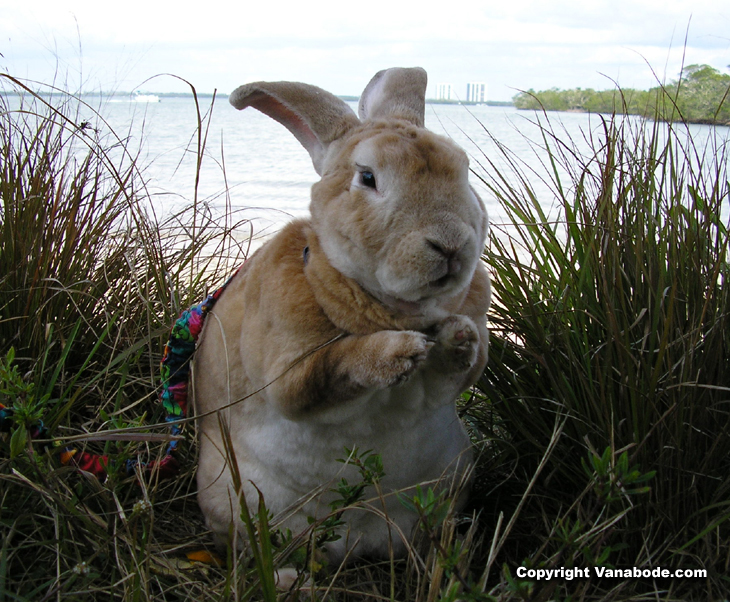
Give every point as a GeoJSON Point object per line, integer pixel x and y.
{"type": "Point", "coordinates": [458, 338]}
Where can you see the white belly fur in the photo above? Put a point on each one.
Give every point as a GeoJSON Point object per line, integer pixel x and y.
{"type": "Point", "coordinates": [420, 439]}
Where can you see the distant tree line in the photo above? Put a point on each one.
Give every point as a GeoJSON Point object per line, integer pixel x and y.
{"type": "Point", "coordinates": [700, 95]}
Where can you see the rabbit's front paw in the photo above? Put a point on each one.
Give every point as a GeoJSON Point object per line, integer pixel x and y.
{"type": "Point", "coordinates": [457, 342]}
{"type": "Point", "coordinates": [399, 354]}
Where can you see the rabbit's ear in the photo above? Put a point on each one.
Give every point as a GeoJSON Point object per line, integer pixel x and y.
{"type": "Point", "coordinates": [396, 92]}
{"type": "Point", "coordinates": [314, 116]}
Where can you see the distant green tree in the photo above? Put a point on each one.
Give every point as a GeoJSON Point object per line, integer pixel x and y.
{"type": "Point", "coordinates": [549, 100]}
{"type": "Point", "coordinates": [700, 95]}
{"type": "Point", "coordinates": [526, 100]}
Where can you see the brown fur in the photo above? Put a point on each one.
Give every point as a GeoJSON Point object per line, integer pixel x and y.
{"type": "Point", "coordinates": [357, 328]}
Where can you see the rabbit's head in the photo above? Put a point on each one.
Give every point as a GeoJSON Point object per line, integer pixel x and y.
{"type": "Point", "coordinates": [393, 210]}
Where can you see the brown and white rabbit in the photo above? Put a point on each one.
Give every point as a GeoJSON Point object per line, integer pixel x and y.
{"type": "Point", "coordinates": [357, 328]}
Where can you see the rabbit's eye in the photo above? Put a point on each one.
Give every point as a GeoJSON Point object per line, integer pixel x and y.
{"type": "Point", "coordinates": [367, 178]}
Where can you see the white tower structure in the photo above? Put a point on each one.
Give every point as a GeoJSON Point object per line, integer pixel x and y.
{"type": "Point", "coordinates": [476, 92]}
{"type": "Point", "coordinates": [444, 92]}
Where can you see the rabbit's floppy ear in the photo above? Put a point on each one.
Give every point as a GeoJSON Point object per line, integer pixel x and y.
{"type": "Point", "coordinates": [396, 92]}
{"type": "Point", "coordinates": [314, 116]}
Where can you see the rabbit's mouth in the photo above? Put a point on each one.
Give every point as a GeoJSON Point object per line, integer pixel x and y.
{"type": "Point", "coordinates": [440, 283]}
{"type": "Point", "coordinates": [413, 291]}
{"type": "Point", "coordinates": [422, 301]}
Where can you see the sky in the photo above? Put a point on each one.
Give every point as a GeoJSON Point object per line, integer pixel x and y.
{"type": "Point", "coordinates": [511, 46]}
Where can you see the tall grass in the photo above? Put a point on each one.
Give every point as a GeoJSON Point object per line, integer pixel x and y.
{"type": "Point", "coordinates": [602, 417]}
{"type": "Point", "coordinates": [90, 282]}
{"type": "Point", "coordinates": [612, 319]}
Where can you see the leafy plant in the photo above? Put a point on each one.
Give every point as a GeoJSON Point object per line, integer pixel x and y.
{"type": "Point", "coordinates": [433, 510]}
{"type": "Point", "coordinates": [22, 410]}
{"type": "Point", "coordinates": [370, 468]}
{"type": "Point", "coordinates": [612, 479]}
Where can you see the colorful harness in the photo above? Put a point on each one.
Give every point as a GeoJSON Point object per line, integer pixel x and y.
{"type": "Point", "coordinates": [174, 373]}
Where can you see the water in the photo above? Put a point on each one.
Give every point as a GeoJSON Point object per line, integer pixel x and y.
{"type": "Point", "coordinates": [253, 165]}
{"type": "Point", "coordinates": [254, 168]}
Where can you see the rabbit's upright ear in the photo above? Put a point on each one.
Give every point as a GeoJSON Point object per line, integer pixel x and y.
{"type": "Point", "coordinates": [396, 92]}
{"type": "Point", "coordinates": [314, 116]}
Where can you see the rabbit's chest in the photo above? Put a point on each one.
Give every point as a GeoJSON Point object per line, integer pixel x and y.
{"type": "Point", "coordinates": [412, 438]}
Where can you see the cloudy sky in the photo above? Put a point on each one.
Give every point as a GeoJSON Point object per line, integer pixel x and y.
{"type": "Point", "coordinates": [509, 45]}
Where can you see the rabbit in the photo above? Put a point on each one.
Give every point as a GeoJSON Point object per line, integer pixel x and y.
{"type": "Point", "coordinates": [356, 328]}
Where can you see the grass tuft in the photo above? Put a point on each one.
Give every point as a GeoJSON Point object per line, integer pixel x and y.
{"type": "Point", "coordinates": [612, 316]}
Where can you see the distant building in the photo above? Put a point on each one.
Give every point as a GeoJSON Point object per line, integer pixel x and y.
{"type": "Point", "coordinates": [476, 92]}
{"type": "Point", "coordinates": [444, 92]}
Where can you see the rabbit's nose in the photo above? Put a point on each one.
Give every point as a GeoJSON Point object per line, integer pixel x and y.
{"type": "Point", "coordinates": [450, 254]}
